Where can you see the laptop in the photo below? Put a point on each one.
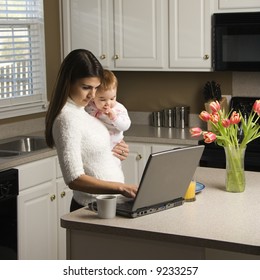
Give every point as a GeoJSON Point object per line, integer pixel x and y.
{"type": "Point", "coordinates": [164, 182]}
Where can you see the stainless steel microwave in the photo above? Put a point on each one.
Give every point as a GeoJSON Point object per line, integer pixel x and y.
{"type": "Point", "coordinates": [236, 41]}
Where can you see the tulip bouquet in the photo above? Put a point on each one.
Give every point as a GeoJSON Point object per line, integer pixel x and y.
{"type": "Point", "coordinates": [233, 132]}
{"type": "Point", "coordinates": [226, 127]}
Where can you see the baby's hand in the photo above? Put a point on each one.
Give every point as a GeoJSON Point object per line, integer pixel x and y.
{"type": "Point", "coordinates": [110, 113]}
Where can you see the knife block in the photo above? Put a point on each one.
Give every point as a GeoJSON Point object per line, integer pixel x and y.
{"type": "Point", "coordinates": [223, 105]}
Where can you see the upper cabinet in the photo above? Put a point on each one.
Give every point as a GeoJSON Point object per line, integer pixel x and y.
{"type": "Point", "coordinates": [236, 5]}
{"type": "Point", "coordinates": [190, 34]}
{"type": "Point", "coordinates": [122, 34]}
{"type": "Point", "coordinates": [137, 35]}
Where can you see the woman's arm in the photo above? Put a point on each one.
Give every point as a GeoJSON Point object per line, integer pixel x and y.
{"type": "Point", "coordinates": [89, 184]}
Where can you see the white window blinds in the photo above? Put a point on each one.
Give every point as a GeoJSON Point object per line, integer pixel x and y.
{"type": "Point", "coordinates": [22, 58]}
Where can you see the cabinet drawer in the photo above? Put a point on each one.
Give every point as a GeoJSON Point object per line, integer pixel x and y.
{"type": "Point", "coordinates": [37, 172]}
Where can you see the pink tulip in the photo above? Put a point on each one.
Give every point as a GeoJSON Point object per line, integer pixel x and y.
{"type": "Point", "coordinates": [195, 131]}
{"type": "Point", "coordinates": [205, 116]}
{"type": "Point", "coordinates": [256, 107]}
{"type": "Point", "coordinates": [209, 137]}
{"type": "Point", "coordinates": [214, 117]}
{"type": "Point", "coordinates": [214, 106]}
{"type": "Point", "coordinates": [225, 122]}
{"type": "Point", "coordinates": [235, 118]}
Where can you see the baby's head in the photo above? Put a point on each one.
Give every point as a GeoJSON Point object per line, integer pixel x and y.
{"type": "Point", "coordinates": [106, 93]}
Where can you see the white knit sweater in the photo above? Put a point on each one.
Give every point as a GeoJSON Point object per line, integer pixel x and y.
{"type": "Point", "coordinates": [83, 147]}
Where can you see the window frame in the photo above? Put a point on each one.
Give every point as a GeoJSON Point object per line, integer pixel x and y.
{"type": "Point", "coordinates": [28, 102]}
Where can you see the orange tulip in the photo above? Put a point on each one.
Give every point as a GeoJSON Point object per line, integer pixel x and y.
{"type": "Point", "coordinates": [256, 107]}
{"type": "Point", "coordinates": [214, 117]}
{"type": "Point", "coordinates": [205, 116]}
{"type": "Point", "coordinates": [195, 131]}
{"type": "Point", "coordinates": [235, 118]}
{"type": "Point", "coordinates": [214, 106]}
{"type": "Point", "coordinates": [225, 122]}
{"type": "Point", "coordinates": [209, 137]}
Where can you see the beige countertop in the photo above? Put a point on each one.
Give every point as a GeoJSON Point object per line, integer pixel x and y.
{"type": "Point", "coordinates": [136, 133]}
{"type": "Point", "coordinates": [160, 135]}
{"type": "Point", "coordinates": [217, 219]}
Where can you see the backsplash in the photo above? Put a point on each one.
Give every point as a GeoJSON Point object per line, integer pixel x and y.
{"type": "Point", "coordinates": [246, 84]}
{"type": "Point", "coordinates": [22, 128]}
{"type": "Point", "coordinates": [144, 118]}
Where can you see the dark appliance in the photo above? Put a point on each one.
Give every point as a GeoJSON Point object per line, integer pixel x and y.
{"type": "Point", "coordinates": [8, 214]}
{"type": "Point", "coordinates": [236, 41]}
{"type": "Point", "coordinates": [214, 155]}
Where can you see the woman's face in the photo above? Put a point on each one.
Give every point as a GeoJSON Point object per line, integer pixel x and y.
{"type": "Point", "coordinates": [83, 90]}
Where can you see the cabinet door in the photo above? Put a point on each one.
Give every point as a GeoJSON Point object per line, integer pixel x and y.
{"type": "Point", "coordinates": [87, 24]}
{"type": "Point", "coordinates": [64, 196]}
{"type": "Point", "coordinates": [141, 33]}
{"type": "Point", "coordinates": [190, 34]}
{"type": "Point", "coordinates": [163, 147]}
{"type": "Point", "coordinates": [134, 165]}
{"type": "Point", "coordinates": [238, 4]}
{"type": "Point", "coordinates": [37, 223]}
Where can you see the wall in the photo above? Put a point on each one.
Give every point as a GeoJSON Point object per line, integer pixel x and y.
{"type": "Point", "coordinates": [153, 91]}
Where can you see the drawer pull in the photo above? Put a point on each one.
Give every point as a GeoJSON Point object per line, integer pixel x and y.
{"type": "Point", "coordinates": [62, 194]}
{"type": "Point", "coordinates": [138, 157]}
{"type": "Point", "coordinates": [53, 197]}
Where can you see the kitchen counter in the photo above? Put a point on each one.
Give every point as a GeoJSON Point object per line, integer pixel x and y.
{"type": "Point", "coordinates": [136, 133]}
{"type": "Point", "coordinates": [160, 135]}
{"type": "Point", "coordinates": [218, 225]}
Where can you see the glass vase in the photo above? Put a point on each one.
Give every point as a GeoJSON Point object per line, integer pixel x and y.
{"type": "Point", "coordinates": [235, 172]}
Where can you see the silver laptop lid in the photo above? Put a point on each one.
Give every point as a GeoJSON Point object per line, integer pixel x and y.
{"type": "Point", "coordinates": [167, 175]}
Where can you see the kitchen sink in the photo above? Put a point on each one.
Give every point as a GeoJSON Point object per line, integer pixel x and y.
{"type": "Point", "coordinates": [21, 145]}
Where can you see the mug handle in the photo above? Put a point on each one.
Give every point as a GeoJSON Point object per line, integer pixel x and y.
{"type": "Point", "coordinates": [93, 206]}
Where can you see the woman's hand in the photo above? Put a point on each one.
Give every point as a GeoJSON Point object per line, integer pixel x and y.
{"type": "Point", "coordinates": [121, 150]}
{"type": "Point", "coordinates": [129, 190]}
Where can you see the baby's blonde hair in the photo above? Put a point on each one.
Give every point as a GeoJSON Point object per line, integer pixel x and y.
{"type": "Point", "coordinates": [109, 81]}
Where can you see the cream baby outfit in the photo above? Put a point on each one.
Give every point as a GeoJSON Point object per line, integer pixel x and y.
{"type": "Point", "coordinates": [83, 147]}
{"type": "Point", "coordinates": [117, 126]}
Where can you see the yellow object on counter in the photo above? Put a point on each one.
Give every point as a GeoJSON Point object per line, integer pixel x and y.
{"type": "Point", "coordinates": [190, 193]}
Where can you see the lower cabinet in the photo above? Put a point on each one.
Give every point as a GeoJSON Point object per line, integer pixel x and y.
{"type": "Point", "coordinates": [43, 198]}
{"type": "Point", "coordinates": [134, 165]}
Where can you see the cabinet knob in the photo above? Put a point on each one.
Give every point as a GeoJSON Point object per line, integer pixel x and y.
{"type": "Point", "coordinates": [138, 157]}
{"type": "Point", "coordinates": [116, 56]}
{"type": "Point", "coordinates": [206, 56]}
{"type": "Point", "coordinates": [53, 197]}
{"type": "Point", "coordinates": [103, 56]}
{"type": "Point", "coordinates": [62, 194]}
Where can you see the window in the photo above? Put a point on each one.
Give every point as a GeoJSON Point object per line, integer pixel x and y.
{"type": "Point", "coordinates": [22, 58]}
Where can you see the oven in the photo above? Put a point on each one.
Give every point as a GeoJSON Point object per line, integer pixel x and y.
{"type": "Point", "coordinates": [214, 155]}
{"type": "Point", "coordinates": [8, 214]}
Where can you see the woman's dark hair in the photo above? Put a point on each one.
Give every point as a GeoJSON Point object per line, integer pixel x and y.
{"type": "Point", "coordinates": [77, 64]}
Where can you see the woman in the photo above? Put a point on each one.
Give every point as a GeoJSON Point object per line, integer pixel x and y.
{"type": "Point", "coordinates": [82, 141]}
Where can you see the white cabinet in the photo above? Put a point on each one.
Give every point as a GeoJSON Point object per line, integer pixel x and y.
{"type": "Point", "coordinates": [190, 34]}
{"type": "Point", "coordinates": [42, 200]}
{"type": "Point", "coordinates": [37, 212]}
{"type": "Point", "coordinates": [123, 34]}
{"type": "Point", "coordinates": [155, 148]}
{"type": "Point", "coordinates": [237, 5]}
{"type": "Point", "coordinates": [134, 165]}
{"type": "Point", "coordinates": [141, 35]}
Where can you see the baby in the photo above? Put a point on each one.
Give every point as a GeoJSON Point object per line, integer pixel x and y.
{"type": "Point", "coordinates": [105, 107]}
